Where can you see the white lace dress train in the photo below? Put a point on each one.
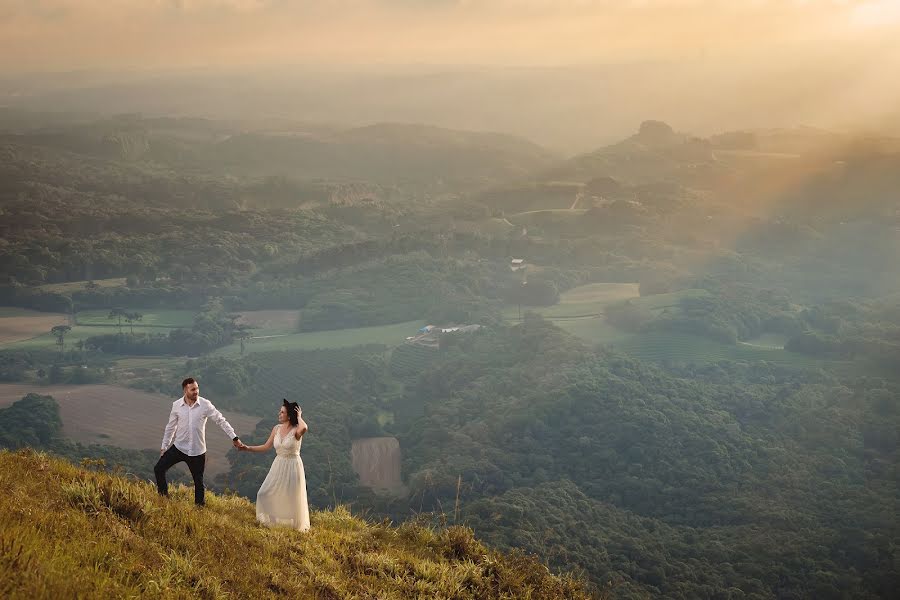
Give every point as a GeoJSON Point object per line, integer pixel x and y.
{"type": "Point", "coordinates": [281, 500]}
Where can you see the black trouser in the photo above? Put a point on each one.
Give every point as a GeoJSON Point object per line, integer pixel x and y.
{"type": "Point", "coordinates": [172, 457]}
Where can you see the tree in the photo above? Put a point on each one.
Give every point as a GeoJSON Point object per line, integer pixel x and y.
{"type": "Point", "coordinates": [60, 332]}
{"type": "Point", "coordinates": [118, 314]}
{"type": "Point", "coordinates": [242, 332]}
{"type": "Point", "coordinates": [131, 318]}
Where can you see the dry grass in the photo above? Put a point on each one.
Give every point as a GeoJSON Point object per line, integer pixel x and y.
{"type": "Point", "coordinates": [76, 286]}
{"type": "Point", "coordinates": [127, 418]}
{"type": "Point", "coordinates": [68, 533]}
{"type": "Point", "coordinates": [18, 324]}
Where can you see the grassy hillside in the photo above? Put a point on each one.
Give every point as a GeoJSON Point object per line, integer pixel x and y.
{"type": "Point", "coordinates": [72, 533]}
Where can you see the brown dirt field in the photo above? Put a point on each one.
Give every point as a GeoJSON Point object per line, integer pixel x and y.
{"type": "Point", "coordinates": [127, 418]}
{"type": "Point", "coordinates": [377, 461]}
{"type": "Point", "coordinates": [14, 329]}
{"type": "Point", "coordinates": [271, 320]}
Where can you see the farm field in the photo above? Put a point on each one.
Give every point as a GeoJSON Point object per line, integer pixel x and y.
{"type": "Point", "coordinates": [17, 324]}
{"type": "Point", "coordinates": [150, 318]}
{"type": "Point", "coordinates": [585, 301]}
{"type": "Point", "coordinates": [585, 304]}
{"type": "Point", "coordinates": [74, 286]}
{"type": "Point", "coordinates": [659, 302]}
{"type": "Point", "coordinates": [79, 332]}
{"type": "Point", "coordinates": [266, 322]}
{"type": "Point", "coordinates": [337, 338]}
{"type": "Point", "coordinates": [682, 347]}
{"type": "Point", "coordinates": [132, 368]}
{"type": "Point", "coordinates": [127, 418]}
{"type": "Point", "coordinates": [600, 293]}
{"type": "Point", "coordinates": [96, 322]}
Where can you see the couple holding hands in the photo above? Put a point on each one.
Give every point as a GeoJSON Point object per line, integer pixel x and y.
{"type": "Point", "coordinates": [281, 499]}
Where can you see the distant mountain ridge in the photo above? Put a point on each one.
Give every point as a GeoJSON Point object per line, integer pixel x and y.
{"type": "Point", "coordinates": [385, 153]}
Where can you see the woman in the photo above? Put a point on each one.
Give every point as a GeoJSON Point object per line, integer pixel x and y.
{"type": "Point", "coordinates": [282, 498]}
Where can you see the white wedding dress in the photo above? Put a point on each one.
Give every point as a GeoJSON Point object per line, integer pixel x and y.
{"type": "Point", "coordinates": [281, 500]}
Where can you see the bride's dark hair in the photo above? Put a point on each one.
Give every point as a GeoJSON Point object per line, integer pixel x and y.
{"type": "Point", "coordinates": [291, 408]}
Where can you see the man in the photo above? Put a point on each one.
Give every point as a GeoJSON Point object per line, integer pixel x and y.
{"type": "Point", "coordinates": [187, 425]}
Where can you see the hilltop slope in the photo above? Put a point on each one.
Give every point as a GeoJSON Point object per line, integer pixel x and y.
{"type": "Point", "coordinates": [66, 532]}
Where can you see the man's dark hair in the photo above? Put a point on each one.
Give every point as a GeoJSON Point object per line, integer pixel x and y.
{"type": "Point", "coordinates": [291, 408]}
{"type": "Point", "coordinates": [187, 382]}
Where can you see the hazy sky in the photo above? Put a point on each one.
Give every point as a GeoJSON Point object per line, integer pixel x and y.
{"type": "Point", "coordinates": [88, 34]}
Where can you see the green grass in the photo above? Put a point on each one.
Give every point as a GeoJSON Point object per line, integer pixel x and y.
{"type": "Point", "coordinates": [78, 332]}
{"type": "Point", "coordinates": [390, 335]}
{"type": "Point", "coordinates": [659, 302]}
{"type": "Point", "coordinates": [150, 317]}
{"type": "Point", "coordinates": [581, 309]}
{"type": "Point", "coordinates": [95, 322]}
{"type": "Point", "coordinates": [557, 311]}
{"type": "Point", "coordinates": [686, 348]}
{"type": "Point", "coordinates": [70, 533]}
{"type": "Point", "coordinates": [74, 286]}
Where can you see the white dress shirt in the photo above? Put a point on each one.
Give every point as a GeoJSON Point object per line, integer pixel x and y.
{"type": "Point", "coordinates": [187, 425]}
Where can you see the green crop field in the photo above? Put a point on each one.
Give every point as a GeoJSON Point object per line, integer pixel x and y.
{"type": "Point", "coordinates": [46, 340]}
{"type": "Point", "coordinates": [390, 335]}
{"type": "Point", "coordinates": [95, 322]}
{"type": "Point", "coordinates": [686, 348]}
{"type": "Point", "coordinates": [660, 302]}
{"type": "Point", "coordinates": [585, 301]}
{"type": "Point", "coordinates": [150, 318]}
